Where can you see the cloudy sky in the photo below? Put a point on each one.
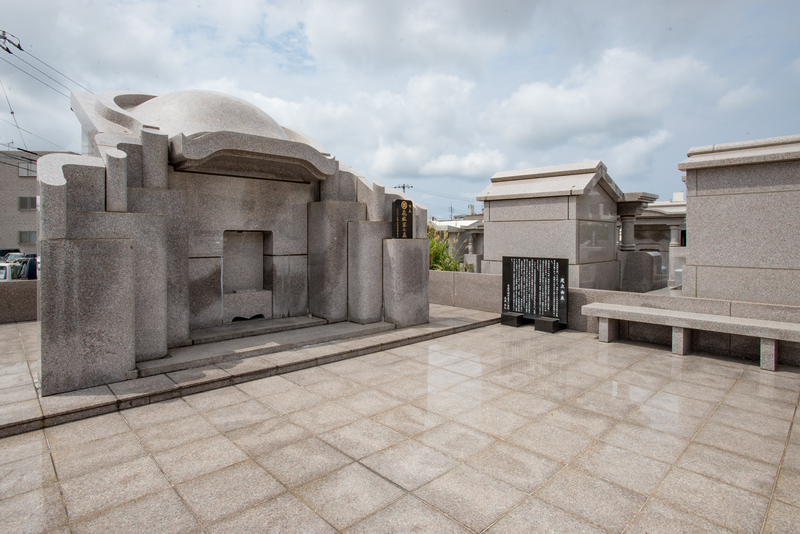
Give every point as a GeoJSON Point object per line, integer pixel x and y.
{"type": "Point", "coordinates": [436, 94]}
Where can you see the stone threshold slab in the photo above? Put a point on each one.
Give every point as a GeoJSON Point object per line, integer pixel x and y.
{"type": "Point", "coordinates": [242, 329]}
{"type": "Point", "coordinates": [91, 402]}
{"type": "Point", "coordinates": [183, 358]}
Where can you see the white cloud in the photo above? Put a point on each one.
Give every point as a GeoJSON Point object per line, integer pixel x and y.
{"type": "Point", "coordinates": [623, 93]}
{"type": "Point", "coordinates": [742, 97]}
{"type": "Point", "coordinates": [396, 159]}
{"type": "Point", "coordinates": [474, 164]}
{"type": "Point", "coordinates": [634, 155]}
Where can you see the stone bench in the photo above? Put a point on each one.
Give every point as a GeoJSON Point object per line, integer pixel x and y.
{"type": "Point", "coordinates": [683, 323]}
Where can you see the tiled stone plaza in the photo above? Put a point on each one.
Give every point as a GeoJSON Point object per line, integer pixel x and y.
{"type": "Point", "coordinates": [495, 429]}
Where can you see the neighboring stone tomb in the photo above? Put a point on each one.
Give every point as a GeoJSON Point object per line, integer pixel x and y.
{"type": "Point", "coordinates": [567, 211]}
{"type": "Point", "coordinates": [743, 215]}
{"type": "Point", "coordinates": [191, 209]}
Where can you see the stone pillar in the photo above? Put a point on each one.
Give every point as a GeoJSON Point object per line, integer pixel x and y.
{"type": "Point", "coordinates": [674, 241]}
{"type": "Point", "coordinates": [627, 242]}
{"type": "Point", "coordinates": [628, 211]}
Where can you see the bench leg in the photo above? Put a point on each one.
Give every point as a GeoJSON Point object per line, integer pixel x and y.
{"type": "Point", "coordinates": [681, 340]}
{"type": "Point", "coordinates": [769, 354]}
{"type": "Point", "coordinates": [607, 329]}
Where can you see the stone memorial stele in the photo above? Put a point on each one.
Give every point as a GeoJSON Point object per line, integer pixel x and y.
{"type": "Point", "coordinates": [402, 219]}
{"type": "Point", "coordinates": [536, 288]}
{"type": "Point", "coordinates": [189, 210]}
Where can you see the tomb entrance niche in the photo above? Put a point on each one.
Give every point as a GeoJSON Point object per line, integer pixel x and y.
{"type": "Point", "coordinates": [246, 275]}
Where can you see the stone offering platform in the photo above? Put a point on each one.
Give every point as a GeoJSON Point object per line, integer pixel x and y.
{"type": "Point", "coordinates": [222, 356]}
{"type": "Point", "coordinates": [490, 430]}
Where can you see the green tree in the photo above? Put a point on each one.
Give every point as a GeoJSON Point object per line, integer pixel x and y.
{"type": "Point", "coordinates": [441, 253]}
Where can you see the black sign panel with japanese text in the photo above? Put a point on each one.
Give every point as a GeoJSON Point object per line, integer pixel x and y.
{"type": "Point", "coordinates": [536, 287]}
{"type": "Point", "coordinates": [402, 219]}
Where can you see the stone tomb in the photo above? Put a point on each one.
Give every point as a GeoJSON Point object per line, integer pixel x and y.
{"type": "Point", "coordinates": [190, 210]}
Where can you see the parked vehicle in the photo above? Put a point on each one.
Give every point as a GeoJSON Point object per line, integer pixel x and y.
{"type": "Point", "coordinates": [13, 256]}
{"type": "Point", "coordinates": [9, 271]}
{"type": "Point", "coordinates": [4, 251]}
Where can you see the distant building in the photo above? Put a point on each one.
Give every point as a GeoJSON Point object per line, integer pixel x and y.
{"type": "Point", "coordinates": [19, 221]}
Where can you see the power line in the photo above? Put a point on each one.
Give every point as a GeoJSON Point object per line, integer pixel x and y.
{"type": "Point", "coordinates": [40, 70]}
{"type": "Point", "coordinates": [33, 134]}
{"type": "Point", "coordinates": [462, 199]}
{"type": "Point", "coordinates": [8, 39]}
{"type": "Point", "coordinates": [12, 113]}
{"type": "Point", "coordinates": [403, 186]}
{"type": "Point", "coordinates": [34, 77]}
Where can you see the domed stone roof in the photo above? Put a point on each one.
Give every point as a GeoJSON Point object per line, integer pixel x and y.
{"type": "Point", "coordinates": [197, 112]}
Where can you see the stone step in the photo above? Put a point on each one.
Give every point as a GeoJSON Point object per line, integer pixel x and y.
{"type": "Point", "coordinates": [245, 347]}
{"type": "Point", "coordinates": [256, 327]}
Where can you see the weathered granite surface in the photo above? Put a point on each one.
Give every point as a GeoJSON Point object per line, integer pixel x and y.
{"type": "Point", "coordinates": [89, 341]}
{"type": "Point", "coordinates": [365, 270]}
{"type": "Point", "coordinates": [327, 256]}
{"type": "Point", "coordinates": [405, 281]}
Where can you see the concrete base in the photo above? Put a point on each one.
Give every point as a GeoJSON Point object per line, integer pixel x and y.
{"type": "Point", "coordinates": [246, 305]}
{"type": "Point", "coordinates": [547, 324]}
{"type": "Point", "coordinates": [512, 319]}
{"type": "Point", "coordinates": [636, 272]}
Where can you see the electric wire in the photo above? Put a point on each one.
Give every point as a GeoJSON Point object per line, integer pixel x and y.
{"type": "Point", "coordinates": [34, 77]}
{"type": "Point", "coordinates": [37, 136]}
{"type": "Point", "coordinates": [12, 113]}
{"type": "Point", "coordinates": [9, 38]}
{"type": "Point", "coordinates": [40, 70]}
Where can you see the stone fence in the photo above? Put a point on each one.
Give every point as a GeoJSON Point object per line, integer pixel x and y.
{"type": "Point", "coordinates": [483, 292]}
{"type": "Point", "coordinates": [17, 301]}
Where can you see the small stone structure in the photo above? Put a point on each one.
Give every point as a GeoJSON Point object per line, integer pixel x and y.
{"type": "Point", "coordinates": [566, 211]}
{"type": "Point", "coordinates": [189, 210]}
{"type": "Point", "coordinates": [743, 201]}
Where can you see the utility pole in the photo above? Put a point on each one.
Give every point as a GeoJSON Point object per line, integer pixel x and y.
{"type": "Point", "coordinates": [403, 186]}
{"type": "Point", "coordinates": [451, 211]}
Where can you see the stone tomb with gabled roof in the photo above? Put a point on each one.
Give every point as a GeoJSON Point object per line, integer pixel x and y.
{"type": "Point", "coordinates": [562, 211]}
{"type": "Point", "coordinates": [190, 210]}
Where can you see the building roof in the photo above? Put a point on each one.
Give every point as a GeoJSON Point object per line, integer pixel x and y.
{"type": "Point", "coordinates": [743, 153]}
{"type": "Point", "coordinates": [553, 181]}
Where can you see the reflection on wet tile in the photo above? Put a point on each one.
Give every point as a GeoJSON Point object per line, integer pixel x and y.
{"type": "Point", "coordinates": [409, 464]}
{"type": "Point", "coordinates": [515, 466]}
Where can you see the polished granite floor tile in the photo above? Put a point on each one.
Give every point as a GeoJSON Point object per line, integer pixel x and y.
{"type": "Point", "coordinates": [302, 461]}
{"type": "Point", "coordinates": [721, 503]}
{"type": "Point", "coordinates": [409, 514]}
{"type": "Point", "coordinates": [348, 495]}
{"type": "Point", "coordinates": [534, 515]}
{"type": "Point", "coordinates": [470, 497]}
{"type": "Point", "coordinates": [228, 490]}
{"type": "Point", "coordinates": [410, 464]}
{"type": "Point", "coordinates": [509, 430]}
{"type": "Point", "coordinates": [592, 499]}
